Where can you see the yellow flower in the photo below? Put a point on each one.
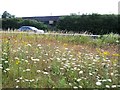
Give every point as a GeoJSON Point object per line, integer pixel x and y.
{"type": "Point", "coordinates": [65, 44]}
{"type": "Point", "coordinates": [106, 53]}
{"type": "Point", "coordinates": [17, 62]}
{"type": "Point", "coordinates": [116, 55]}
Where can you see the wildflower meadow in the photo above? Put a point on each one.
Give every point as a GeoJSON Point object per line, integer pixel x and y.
{"type": "Point", "coordinates": [54, 61]}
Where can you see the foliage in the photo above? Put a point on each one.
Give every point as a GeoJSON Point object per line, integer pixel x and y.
{"type": "Point", "coordinates": [7, 15]}
{"type": "Point", "coordinates": [45, 61]}
{"type": "Point", "coordinates": [10, 22]}
{"type": "Point", "coordinates": [95, 23]}
{"type": "Point", "coordinates": [34, 23]}
{"type": "Point", "coordinates": [16, 23]}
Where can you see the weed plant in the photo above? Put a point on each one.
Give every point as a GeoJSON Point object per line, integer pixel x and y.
{"type": "Point", "coordinates": [48, 61]}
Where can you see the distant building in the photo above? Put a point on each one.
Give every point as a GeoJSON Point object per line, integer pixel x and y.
{"type": "Point", "coordinates": [49, 20]}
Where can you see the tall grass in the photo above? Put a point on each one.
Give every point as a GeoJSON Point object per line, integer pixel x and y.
{"type": "Point", "coordinates": [45, 61]}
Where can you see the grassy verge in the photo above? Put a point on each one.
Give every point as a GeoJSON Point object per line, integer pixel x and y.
{"type": "Point", "coordinates": [45, 61]}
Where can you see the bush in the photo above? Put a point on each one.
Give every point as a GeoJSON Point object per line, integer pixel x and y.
{"type": "Point", "coordinates": [15, 23]}
{"type": "Point", "coordinates": [95, 23]}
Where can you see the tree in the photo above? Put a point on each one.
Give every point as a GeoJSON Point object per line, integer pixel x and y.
{"type": "Point", "coordinates": [7, 15]}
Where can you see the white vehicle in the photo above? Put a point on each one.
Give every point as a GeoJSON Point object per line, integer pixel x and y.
{"type": "Point", "coordinates": [30, 28]}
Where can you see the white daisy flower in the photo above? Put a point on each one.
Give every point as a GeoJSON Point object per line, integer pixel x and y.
{"type": "Point", "coordinates": [80, 72]}
{"type": "Point", "coordinates": [98, 83]}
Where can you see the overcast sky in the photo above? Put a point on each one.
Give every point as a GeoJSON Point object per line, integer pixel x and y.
{"type": "Point", "coordinates": [22, 8]}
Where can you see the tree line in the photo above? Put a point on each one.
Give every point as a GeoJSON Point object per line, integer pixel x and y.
{"type": "Point", "coordinates": [15, 23]}
{"type": "Point", "coordinates": [11, 22]}
{"type": "Point", "coordinates": [94, 23]}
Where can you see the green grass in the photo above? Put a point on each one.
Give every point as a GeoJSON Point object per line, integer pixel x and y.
{"type": "Point", "coordinates": [46, 61]}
